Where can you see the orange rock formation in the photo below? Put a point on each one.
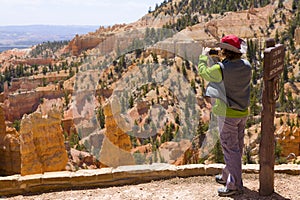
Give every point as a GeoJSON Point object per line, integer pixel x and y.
{"type": "Point", "coordinates": [289, 140]}
{"type": "Point", "coordinates": [42, 143]}
{"type": "Point", "coordinates": [79, 44]}
{"type": "Point", "coordinates": [116, 146]}
{"type": "Point", "coordinates": [10, 159]}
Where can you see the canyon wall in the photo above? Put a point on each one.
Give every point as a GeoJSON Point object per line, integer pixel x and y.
{"type": "Point", "coordinates": [31, 83]}
{"type": "Point", "coordinates": [22, 103]}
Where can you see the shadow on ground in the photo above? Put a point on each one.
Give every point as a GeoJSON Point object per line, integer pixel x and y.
{"type": "Point", "coordinates": [252, 194]}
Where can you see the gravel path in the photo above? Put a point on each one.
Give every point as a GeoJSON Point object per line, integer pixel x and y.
{"type": "Point", "coordinates": [201, 187]}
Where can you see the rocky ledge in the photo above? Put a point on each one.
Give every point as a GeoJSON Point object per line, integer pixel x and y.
{"type": "Point", "coordinates": [105, 177]}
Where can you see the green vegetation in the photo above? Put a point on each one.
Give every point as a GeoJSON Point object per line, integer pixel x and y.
{"type": "Point", "coordinates": [207, 6]}
{"type": "Point", "coordinates": [139, 158]}
{"type": "Point", "coordinates": [168, 134]}
{"type": "Point", "coordinates": [153, 35]}
{"type": "Point", "coordinates": [12, 72]}
{"type": "Point", "coordinates": [17, 124]}
{"type": "Point", "coordinates": [278, 158]}
{"type": "Point", "coordinates": [182, 23]}
{"type": "Point", "coordinates": [217, 153]}
{"type": "Point", "coordinates": [187, 13]}
{"type": "Point", "coordinates": [191, 9]}
{"type": "Point", "coordinates": [47, 49]}
{"type": "Point", "coordinates": [74, 142]}
{"type": "Point", "coordinates": [247, 156]}
{"type": "Point", "coordinates": [101, 117]}
{"type": "Point", "coordinates": [24, 70]}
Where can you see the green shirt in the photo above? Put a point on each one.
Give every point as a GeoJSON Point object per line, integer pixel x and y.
{"type": "Point", "coordinates": [214, 74]}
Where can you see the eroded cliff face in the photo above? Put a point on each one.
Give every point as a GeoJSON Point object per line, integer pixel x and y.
{"type": "Point", "coordinates": [18, 104]}
{"type": "Point", "coordinates": [42, 143]}
{"type": "Point", "coordinates": [251, 23]}
{"type": "Point", "coordinates": [106, 40]}
{"type": "Point", "coordinates": [34, 61]}
{"type": "Point", "coordinates": [33, 82]}
{"type": "Point", "coordinates": [10, 158]}
{"type": "Point", "coordinates": [79, 44]}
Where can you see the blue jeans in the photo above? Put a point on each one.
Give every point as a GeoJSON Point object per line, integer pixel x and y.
{"type": "Point", "coordinates": [232, 140]}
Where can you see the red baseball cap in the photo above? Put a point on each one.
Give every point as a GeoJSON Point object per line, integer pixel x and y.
{"type": "Point", "coordinates": [232, 43]}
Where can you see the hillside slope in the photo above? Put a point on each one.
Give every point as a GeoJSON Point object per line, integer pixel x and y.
{"type": "Point", "coordinates": [133, 91]}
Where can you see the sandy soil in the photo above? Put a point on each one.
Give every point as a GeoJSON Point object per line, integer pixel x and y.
{"type": "Point", "coordinates": [201, 187]}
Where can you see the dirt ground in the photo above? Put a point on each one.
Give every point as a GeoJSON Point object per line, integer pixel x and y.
{"type": "Point", "coordinates": [201, 187]}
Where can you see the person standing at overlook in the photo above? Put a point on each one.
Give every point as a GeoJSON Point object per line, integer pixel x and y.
{"type": "Point", "coordinates": [229, 84]}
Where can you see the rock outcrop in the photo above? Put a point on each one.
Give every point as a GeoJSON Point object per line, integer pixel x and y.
{"type": "Point", "coordinates": [31, 83]}
{"type": "Point", "coordinates": [34, 61]}
{"type": "Point", "coordinates": [106, 40]}
{"type": "Point", "coordinates": [289, 140]}
{"type": "Point", "coordinates": [116, 145]}
{"type": "Point", "coordinates": [42, 143]}
{"type": "Point", "coordinates": [18, 104]}
{"type": "Point", "coordinates": [10, 159]}
{"type": "Point", "coordinates": [172, 152]}
{"type": "Point", "coordinates": [11, 163]}
{"type": "Point", "coordinates": [84, 159]}
{"type": "Point", "coordinates": [79, 44]}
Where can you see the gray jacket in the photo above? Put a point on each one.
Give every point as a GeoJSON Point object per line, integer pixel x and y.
{"type": "Point", "coordinates": [234, 89]}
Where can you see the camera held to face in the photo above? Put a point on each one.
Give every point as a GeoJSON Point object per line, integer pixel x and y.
{"type": "Point", "coordinates": [215, 54]}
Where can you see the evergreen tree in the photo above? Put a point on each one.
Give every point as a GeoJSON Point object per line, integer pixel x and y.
{"type": "Point", "coordinates": [193, 85]}
{"type": "Point", "coordinates": [101, 117]}
{"type": "Point", "coordinates": [131, 101]}
{"type": "Point", "coordinates": [217, 152]}
{"type": "Point", "coordinates": [184, 72]}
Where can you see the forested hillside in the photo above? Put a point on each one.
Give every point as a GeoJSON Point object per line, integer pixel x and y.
{"type": "Point", "coordinates": [133, 90]}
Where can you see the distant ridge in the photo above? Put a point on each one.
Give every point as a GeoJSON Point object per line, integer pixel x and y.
{"type": "Point", "coordinates": [28, 35]}
{"type": "Point", "coordinates": [5, 48]}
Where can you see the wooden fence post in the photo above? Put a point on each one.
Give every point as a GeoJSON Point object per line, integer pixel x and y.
{"type": "Point", "coordinates": [273, 67]}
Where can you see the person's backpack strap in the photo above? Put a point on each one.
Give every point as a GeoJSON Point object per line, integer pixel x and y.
{"type": "Point", "coordinates": [221, 67]}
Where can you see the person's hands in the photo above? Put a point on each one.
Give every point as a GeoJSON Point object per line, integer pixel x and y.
{"type": "Point", "coordinates": [205, 51]}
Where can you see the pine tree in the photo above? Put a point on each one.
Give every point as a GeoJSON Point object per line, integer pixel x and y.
{"type": "Point", "coordinates": [276, 36]}
{"type": "Point", "coordinates": [101, 117]}
{"type": "Point", "coordinates": [131, 101]}
{"type": "Point", "coordinates": [183, 69]}
{"type": "Point", "coordinates": [193, 85]}
{"type": "Point", "coordinates": [217, 152]}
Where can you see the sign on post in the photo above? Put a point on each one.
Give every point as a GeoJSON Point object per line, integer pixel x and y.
{"type": "Point", "coordinates": [273, 67]}
{"type": "Point", "coordinates": [273, 61]}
